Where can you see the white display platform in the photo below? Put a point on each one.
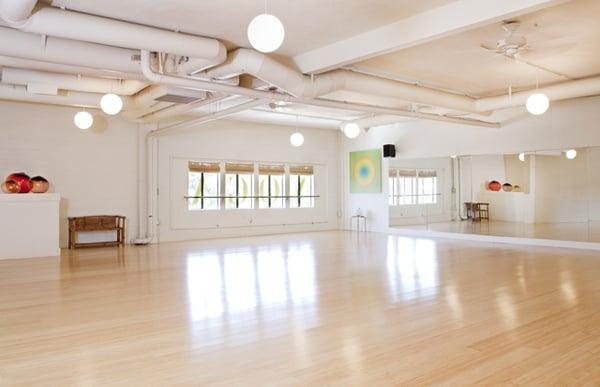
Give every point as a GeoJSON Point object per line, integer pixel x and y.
{"type": "Point", "coordinates": [29, 225]}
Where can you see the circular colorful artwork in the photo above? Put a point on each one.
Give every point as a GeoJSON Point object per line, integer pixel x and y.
{"type": "Point", "coordinates": [365, 171]}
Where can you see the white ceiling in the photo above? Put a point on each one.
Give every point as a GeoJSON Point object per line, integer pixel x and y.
{"type": "Point", "coordinates": [563, 38]}
{"type": "Point", "coordinates": [309, 23]}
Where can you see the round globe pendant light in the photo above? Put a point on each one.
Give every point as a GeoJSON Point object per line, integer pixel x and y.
{"type": "Point", "coordinates": [111, 104]}
{"type": "Point", "coordinates": [571, 154]}
{"type": "Point", "coordinates": [297, 139]}
{"type": "Point", "coordinates": [351, 130]}
{"type": "Point", "coordinates": [537, 104]}
{"type": "Point", "coordinates": [83, 120]}
{"type": "Point", "coordinates": [266, 33]}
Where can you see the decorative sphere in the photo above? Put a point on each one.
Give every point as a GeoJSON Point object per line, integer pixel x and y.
{"type": "Point", "coordinates": [571, 154]}
{"type": "Point", "coordinates": [83, 120]}
{"type": "Point", "coordinates": [537, 104]}
{"type": "Point", "coordinates": [111, 104]}
{"type": "Point", "coordinates": [351, 130]}
{"type": "Point", "coordinates": [266, 33]}
{"type": "Point", "coordinates": [297, 139]}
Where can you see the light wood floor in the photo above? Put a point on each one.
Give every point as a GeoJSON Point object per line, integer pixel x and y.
{"type": "Point", "coordinates": [330, 308]}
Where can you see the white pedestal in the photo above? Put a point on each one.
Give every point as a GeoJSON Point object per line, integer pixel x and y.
{"type": "Point", "coordinates": [29, 225]}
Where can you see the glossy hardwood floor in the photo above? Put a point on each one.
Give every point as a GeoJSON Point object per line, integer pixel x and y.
{"type": "Point", "coordinates": [330, 308]}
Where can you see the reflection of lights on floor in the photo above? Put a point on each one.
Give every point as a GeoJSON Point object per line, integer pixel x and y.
{"type": "Point", "coordinates": [238, 281]}
{"type": "Point", "coordinates": [411, 267]}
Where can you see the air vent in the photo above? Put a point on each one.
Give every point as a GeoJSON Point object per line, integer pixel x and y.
{"type": "Point", "coordinates": [180, 95]}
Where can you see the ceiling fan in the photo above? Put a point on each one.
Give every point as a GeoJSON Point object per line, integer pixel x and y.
{"type": "Point", "coordinates": [512, 43]}
{"type": "Point", "coordinates": [516, 47]}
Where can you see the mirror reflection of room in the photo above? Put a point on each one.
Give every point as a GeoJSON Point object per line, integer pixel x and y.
{"type": "Point", "coordinates": [550, 194]}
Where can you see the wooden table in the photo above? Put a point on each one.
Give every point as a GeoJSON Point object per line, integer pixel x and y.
{"type": "Point", "coordinates": [96, 223]}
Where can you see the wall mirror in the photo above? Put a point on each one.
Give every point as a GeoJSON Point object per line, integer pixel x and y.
{"type": "Point", "coordinates": [544, 194]}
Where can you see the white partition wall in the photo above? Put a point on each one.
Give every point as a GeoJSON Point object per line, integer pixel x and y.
{"type": "Point", "coordinates": [29, 226]}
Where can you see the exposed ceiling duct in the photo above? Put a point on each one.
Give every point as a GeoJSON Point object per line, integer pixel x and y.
{"type": "Point", "coordinates": [245, 61]}
{"type": "Point", "coordinates": [71, 98]}
{"type": "Point", "coordinates": [389, 119]}
{"type": "Point", "coordinates": [14, 43]}
{"type": "Point", "coordinates": [70, 82]}
{"type": "Point", "coordinates": [557, 92]}
{"type": "Point", "coordinates": [88, 28]}
{"type": "Point", "coordinates": [273, 96]}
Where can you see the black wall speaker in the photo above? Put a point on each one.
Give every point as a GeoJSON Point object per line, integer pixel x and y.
{"type": "Point", "coordinates": [389, 150]}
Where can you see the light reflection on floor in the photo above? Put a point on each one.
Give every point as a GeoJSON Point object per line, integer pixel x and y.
{"type": "Point", "coordinates": [411, 268]}
{"type": "Point", "coordinates": [251, 285]}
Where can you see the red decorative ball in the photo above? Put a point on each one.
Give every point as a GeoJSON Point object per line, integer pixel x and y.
{"type": "Point", "coordinates": [494, 186]}
{"type": "Point", "coordinates": [22, 180]}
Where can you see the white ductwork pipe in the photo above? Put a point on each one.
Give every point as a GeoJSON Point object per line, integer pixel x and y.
{"type": "Point", "coordinates": [7, 61]}
{"type": "Point", "coordinates": [266, 95]}
{"type": "Point", "coordinates": [16, 12]}
{"type": "Point", "coordinates": [209, 117]}
{"type": "Point", "coordinates": [19, 44]}
{"type": "Point", "coordinates": [71, 82]}
{"type": "Point", "coordinates": [177, 110]}
{"type": "Point", "coordinates": [88, 28]}
{"type": "Point", "coordinates": [560, 91]}
{"type": "Point", "coordinates": [74, 98]}
{"type": "Point", "coordinates": [245, 61]}
{"type": "Point", "coordinates": [389, 119]}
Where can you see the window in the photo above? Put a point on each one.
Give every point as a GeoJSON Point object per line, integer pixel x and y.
{"type": "Point", "coordinates": [407, 182]}
{"type": "Point", "coordinates": [239, 187]}
{"type": "Point", "coordinates": [203, 186]}
{"type": "Point", "coordinates": [302, 187]}
{"type": "Point", "coordinates": [270, 186]}
{"type": "Point", "coordinates": [427, 187]}
{"type": "Point", "coordinates": [411, 186]}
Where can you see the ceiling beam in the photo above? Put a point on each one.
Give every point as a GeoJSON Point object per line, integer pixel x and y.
{"type": "Point", "coordinates": [458, 16]}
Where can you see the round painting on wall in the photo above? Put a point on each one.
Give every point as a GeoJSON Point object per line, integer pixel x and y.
{"type": "Point", "coordinates": [507, 187]}
{"type": "Point", "coordinates": [494, 185]}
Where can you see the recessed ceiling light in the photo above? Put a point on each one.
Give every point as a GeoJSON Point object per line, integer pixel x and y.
{"type": "Point", "coordinates": [266, 33]}
{"type": "Point", "coordinates": [537, 104]}
{"type": "Point", "coordinates": [83, 120]}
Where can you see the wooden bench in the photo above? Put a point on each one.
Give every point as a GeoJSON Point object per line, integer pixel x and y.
{"type": "Point", "coordinates": [96, 223]}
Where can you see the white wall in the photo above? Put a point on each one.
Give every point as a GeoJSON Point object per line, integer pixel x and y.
{"type": "Point", "coordinates": [230, 140]}
{"type": "Point", "coordinates": [567, 124]}
{"type": "Point", "coordinates": [94, 171]}
{"type": "Point", "coordinates": [373, 206]}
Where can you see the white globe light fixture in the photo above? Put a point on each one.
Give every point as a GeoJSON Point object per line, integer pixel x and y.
{"type": "Point", "coordinates": [522, 157]}
{"type": "Point", "coordinates": [111, 104]}
{"type": "Point", "coordinates": [571, 154]}
{"type": "Point", "coordinates": [266, 33]}
{"type": "Point", "coordinates": [297, 139]}
{"type": "Point", "coordinates": [83, 120]}
{"type": "Point", "coordinates": [351, 130]}
{"type": "Point", "coordinates": [537, 104]}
